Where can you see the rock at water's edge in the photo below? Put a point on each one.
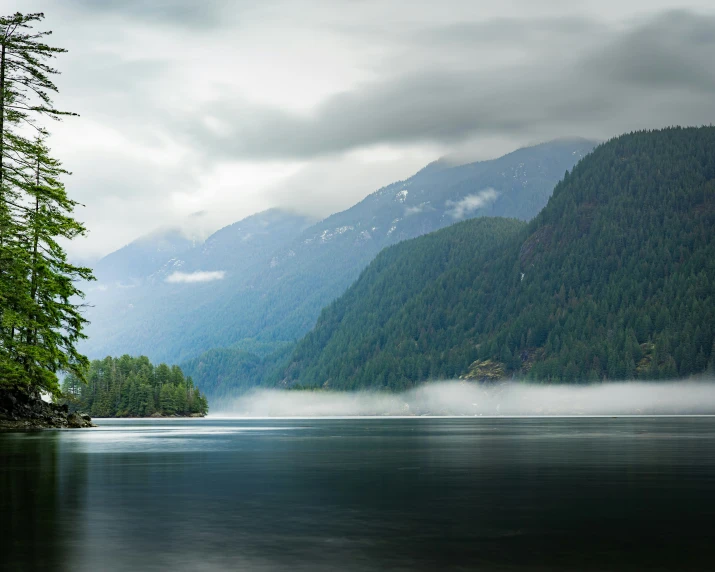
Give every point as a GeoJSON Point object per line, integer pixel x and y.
{"type": "Point", "coordinates": [79, 421]}
{"type": "Point", "coordinates": [22, 410]}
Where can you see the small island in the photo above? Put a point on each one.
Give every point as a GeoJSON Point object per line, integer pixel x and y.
{"type": "Point", "coordinates": [132, 387]}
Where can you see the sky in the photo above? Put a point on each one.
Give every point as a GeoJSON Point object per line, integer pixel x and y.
{"type": "Point", "coordinates": [195, 114]}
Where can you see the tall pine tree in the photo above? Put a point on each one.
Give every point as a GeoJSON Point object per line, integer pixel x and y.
{"type": "Point", "coordinates": [40, 318]}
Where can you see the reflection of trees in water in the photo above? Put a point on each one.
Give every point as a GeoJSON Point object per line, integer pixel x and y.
{"type": "Point", "coordinates": [38, 502]}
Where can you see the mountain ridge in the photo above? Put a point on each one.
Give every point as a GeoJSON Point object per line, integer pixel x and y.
{"type": "Point", "coordinates": [614, 279]}
{"type": "Point", "coordinates": [274, 293]}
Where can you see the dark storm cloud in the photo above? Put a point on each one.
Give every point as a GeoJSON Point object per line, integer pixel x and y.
{"type": "Point", "coordinates": [658, 72]}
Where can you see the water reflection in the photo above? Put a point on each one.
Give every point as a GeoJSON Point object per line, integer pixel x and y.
{"type": "Point", "coordinates": [41, 497]}
{"type": "Point", "coordinates": [407, 494]}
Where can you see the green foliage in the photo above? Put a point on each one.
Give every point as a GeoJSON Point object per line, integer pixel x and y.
{"type": "Point", "coordinates": [280, 275]}
{"type": "Point", "coordinates": [228, 372]}
{"type": "Point", "coordinates": [132, 387]}
{"type": "Point", "coordinates": [358, 328]}
{"type": "Point", "coordinates": [40, 321]}
{"type": "Point", "coordinates": [614, 279]}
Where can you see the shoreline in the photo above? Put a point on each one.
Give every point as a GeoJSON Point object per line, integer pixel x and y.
{"type": "Point", "coordinates": [154, 416]}
{"type": "Point", "coordinates": [20, 410]}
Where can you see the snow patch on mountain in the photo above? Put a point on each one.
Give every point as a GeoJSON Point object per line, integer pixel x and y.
{"type": "Point", "coordinates": [327, 234]}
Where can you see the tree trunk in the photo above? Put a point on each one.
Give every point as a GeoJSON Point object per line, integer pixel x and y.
{"type": "Point", "coordinates": [2, 117]}
{"type": "Point", "coordinates": [32, 333]}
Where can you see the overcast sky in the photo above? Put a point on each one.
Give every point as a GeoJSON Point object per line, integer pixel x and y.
{"type": "Point", "coordinates": [198, 113]}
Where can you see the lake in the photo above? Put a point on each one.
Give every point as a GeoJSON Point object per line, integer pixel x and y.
{"type": "Point", "coordinates": [361, 494]}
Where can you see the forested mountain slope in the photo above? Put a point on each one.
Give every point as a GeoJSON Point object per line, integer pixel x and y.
{"type": "Point", "coordinates": [279, 272]}
{"type": "Point", "coordinates": [286, 297]}
{"type": "Point", "coordinates": [223, 373]}
{"type": "Point", "coordinates": [614, 279]}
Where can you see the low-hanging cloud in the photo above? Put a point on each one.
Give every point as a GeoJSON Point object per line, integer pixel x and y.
{"type": "Point", "coordinates": [474, 399]}
{"type": "Point", "coordinates": [194, 277]}
{"type": "Point", "coordinates": [467, 205]}
{"type": "Point", "coordinates": [409, 211]}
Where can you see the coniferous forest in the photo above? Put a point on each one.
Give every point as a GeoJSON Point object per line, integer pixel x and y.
{"type": "Point", "coordinates": [133, 387]}
{"type": "Point", "coordinates": [224, 372]}
{"type": "Point", "coordinates": [614, 279]}
{"type": "Point", "coordinates": [40, 303]}
{"type": "Point", "coordinates": [41, 311]}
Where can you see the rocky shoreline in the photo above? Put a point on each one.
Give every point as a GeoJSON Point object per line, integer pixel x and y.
{"type": "Point", "coordinates": [20, 410]}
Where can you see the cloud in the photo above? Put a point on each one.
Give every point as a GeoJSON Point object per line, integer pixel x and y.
{"type": "Point", "coordinates": [461, 208]}
{"type": "Point", "coordinates": [654, 73]}
{"type": "Point", "coordinates": [321, 186]}
{"type": "Point", "coordinates": [184, 13]}
{"type": "Point", "coordinates": [232, 107]}
{"type": "Point", "coordinates": [194, 277]}
{"type": "Point", "coordinates": [415, 210]}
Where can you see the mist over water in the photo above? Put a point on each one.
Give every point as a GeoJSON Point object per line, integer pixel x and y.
{"type": "Point", "coordinates": [459, 398]}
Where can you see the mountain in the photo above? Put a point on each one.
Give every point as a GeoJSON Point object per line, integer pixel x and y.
{"type": "Point", "coordinates": [286, 297]}
{"type": "Point", "coordinates": [614, 279]}
{"type": "Point", "coordinates": [270, 286]}
{"type": "Point", "coordinates": [143, 257]}
{"type": "Point", "coordinates": [145, 290]}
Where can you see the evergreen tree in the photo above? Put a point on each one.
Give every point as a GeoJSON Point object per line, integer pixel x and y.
{"type": "Point", "coordinates": [167, 400]}
{"type": "Point", "coordinates": [132, 387]}
{"type": "Point", "coordinates": [40, 320]}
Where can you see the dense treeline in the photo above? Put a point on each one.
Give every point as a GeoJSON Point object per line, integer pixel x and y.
{"type": "Point", "coordinates": [133, 387]}
{"type": "Point", "coordinates": [614, 279]}
{"type": "Point", "coordinates": [355, 343]}
{"type": "Point", "coordinates": [224, 372]}
{"type": "Point", "coordinates": [227, 372]}
{"type": "Point", "coordinates": [40, 319]}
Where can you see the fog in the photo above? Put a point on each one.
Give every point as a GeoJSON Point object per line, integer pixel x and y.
{"type": "Point", "coordinates": [459, 398]}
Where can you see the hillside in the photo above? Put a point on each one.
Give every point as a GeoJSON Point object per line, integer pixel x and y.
{"type": "Point", "coordinates": [614, 279]}
{"type": "Point", "coordinates": [136, 310]}
{"type": "Point", "coordinates": [142, 258]}
{"type": "Point", "coordinates": [286, 297]}
{"type": "Point", "coordinates": [279, 271]}
{"type": "Point", "coordinates": [223, 373]}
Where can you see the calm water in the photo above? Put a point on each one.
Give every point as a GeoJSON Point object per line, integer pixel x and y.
{"type": "Point", "coordinates": [366, 494]}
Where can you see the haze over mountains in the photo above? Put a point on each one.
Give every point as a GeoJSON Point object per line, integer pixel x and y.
{"type": "Point", "coordinates": [262, 282]}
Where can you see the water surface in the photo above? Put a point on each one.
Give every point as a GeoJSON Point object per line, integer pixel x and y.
{"type": "Point", "coordinates": [361, 494]}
